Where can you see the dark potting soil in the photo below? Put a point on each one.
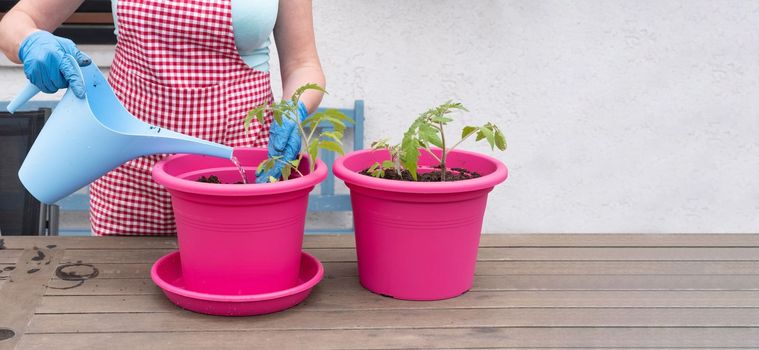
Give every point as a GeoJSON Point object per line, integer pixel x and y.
{"type": "Point", "coordinates": [456, 174]}
{"type": "Point", "coordinates": [213, 179]}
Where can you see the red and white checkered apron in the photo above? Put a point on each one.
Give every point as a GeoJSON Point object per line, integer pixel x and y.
{"type": "Point", "coordinates": [177, 67]}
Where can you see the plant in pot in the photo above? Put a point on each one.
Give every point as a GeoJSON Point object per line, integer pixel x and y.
{"type": "Point", "coordinates": [418, 207]}
{"type": "Point", "coordinates": [240, 244]}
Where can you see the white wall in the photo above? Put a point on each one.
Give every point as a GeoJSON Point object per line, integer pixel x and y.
{"type": "Point", "coordinates": [621, 116]}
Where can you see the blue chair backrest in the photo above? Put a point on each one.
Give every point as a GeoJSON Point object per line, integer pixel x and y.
{"type": "Point", "coordinates": [326, 200]}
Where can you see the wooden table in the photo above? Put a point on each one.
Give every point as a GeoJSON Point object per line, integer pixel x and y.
{"type": "Point", "coordinates": [531, 291]}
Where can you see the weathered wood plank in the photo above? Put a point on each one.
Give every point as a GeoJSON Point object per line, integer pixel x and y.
{"type": "Point", "coordinates": [142, 270]}
{"type": "Point", "coordinates": [620, 240]}
{"type": "Point", "coordinates": [499, 268]}
{"type": "Point", "coordinates": [111, 270]}
{"type": "Point", "coordinates": [629, 291]}
{"type": "Point", "coordinates": [485, 254]}
{"type": "Point", "coordinates": [618, 267]}
{"type": "Point", "coordinates": [151, 255]}
{"type": "Point", "coordinates": [467, 338]}
{"type": "Point", "coordinates": [98, 256]}
{"type": "Point", "coordinates": [5, 271]}
{"type": "Point", "coordinates": [140, 286]}
{"type": "Point", "coordinates": [10, 256]}
{"type": "Point", "coordinates": [354, 297]}
{"type": "Point", "coordinates": [615, 282]}
{"type": "Point", "coordinates": [298, 318]}
{"type": "Point", "coordinates": [27, 242]}
{"type": "Point", "coordinates": [23, 290]}
{"type": "Point", "coordinates": [487, 240]}
{"type": "Point", "coordinates": [617, 254]}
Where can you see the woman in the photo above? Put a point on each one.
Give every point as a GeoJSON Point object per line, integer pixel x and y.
{"type": "Point", "coordinates": [192, 66]}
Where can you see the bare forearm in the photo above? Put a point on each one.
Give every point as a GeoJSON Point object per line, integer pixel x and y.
{"type": "Point", "coordinates": [299, 62]}
{"type": "Point", "coordinates": [14, 27]}
{"type": "Point", "coordinates": [28, 16]}
{"type": "Point", "coordinates": [300, 76]}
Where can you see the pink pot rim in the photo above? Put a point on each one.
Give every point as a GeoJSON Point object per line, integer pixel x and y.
{"type": "Point", "coordinates": [302, 287]}
{"type": "Point", "coordinates": [253, 189]}
{"type": "Point", "coordinates": [487, 181]}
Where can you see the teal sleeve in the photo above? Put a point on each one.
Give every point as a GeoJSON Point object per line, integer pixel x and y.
{"type": "Point", "coordinates": [253, 22]}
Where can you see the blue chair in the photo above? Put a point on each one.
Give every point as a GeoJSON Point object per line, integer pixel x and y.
{"type": "Point", "coordinates": [322, 200]}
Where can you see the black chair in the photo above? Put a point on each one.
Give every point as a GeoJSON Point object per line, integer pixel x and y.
{"type": "Point", "coordinates": [20, 212]}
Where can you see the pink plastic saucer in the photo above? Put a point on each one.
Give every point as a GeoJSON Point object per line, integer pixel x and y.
{"type": "Point", "coordinates": [167, 274]}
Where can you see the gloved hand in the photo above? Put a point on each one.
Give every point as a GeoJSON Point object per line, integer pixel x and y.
{"type": "Point", "coordinates": [284, 141]}
{"type": "Point", "coordinates": [44, 65]}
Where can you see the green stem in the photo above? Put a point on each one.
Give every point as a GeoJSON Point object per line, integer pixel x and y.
{"type": "Point", "coordinates": [396, 163]}
{"type": "Point", "coordinates": [462, 140]}
{"type": "Point", "coordinates": [291, 166]}
{"type": "Point", "coordinates": [305, 139]}
{"type": "Point", "coordinates": [431, 153]}
{"type": "Point", "coordinates": [443, 156]}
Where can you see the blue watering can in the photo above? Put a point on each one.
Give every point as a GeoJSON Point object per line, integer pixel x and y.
{"type": "Point", "coordinates": [85, 138]}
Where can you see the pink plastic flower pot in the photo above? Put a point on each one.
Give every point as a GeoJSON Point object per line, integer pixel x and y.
{"type": "Point", "coordinates": [237, 239]}
{"type": "Point", "coordinates": [414, 240]}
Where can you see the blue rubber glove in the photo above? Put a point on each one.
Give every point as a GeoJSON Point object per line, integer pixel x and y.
{"type": "Point", "coordinates": [44, 65]}
{"type": "Point", "coordinates": [284, 141]}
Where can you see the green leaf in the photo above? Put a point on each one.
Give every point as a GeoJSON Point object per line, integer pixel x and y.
{"type": "Point", "coordinates": [429, 134]}
{"type": "Point", "coordinates": [500, 140]}
{"type": "Point", "coordinates": [380, 144]}
{"type": "Point", "coordinates": [266, 165]}
{"type": "Point", "coordinates": [301, 90]}
{"type": "Point", "coordinates": [295, 163]}
{"type": "Point", "coordinates": [272, 179]}
{"type": "Point", "coordinates": [331, 146]}
{"type": "Point", "coordinates": [489, 135]}
{"type": "Point", "coordinates": [334, 135]}
{"type": "Point", "coordinates": [480, 135]}
{"type": "Point", "coordinates": [313, 152]}
{"type": "Point", "coordinates": [468, 130]}
{"type": "Point", "coordinates": [410, 155]}
{"type": "Point", "coordinates": [388, 164]}
{"type": "Point", "coordinates": [270, 164]}
{"type": "Point", "coordinates": [409, 151]}
{"type": "Point", "coordinates": [337, 124]}
{"type": "Point", "coordinates": [246, 121]}
{"type": "Point", "coordinates": [286, 169]}
{"type": "Point", "coordinates": [277, 116]}
{"type": "Point", "coordinates": [257, 113]}
{"type": "Point", "coordinates": [312, 120]}
{"type": "Point", "coordinates": [315, 119]}
{"type": "Point", "coordinates": [337, 114]}
{"type": "Point", "coordinates": [260, 167]}
{"type": "Point", "coordinates": [440, 119]}
{"type": "Point", "coordinates": [373, 167]}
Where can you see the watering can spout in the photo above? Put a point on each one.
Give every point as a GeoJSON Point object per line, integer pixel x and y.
{"type": "Point", "coordinates": [159, 140]}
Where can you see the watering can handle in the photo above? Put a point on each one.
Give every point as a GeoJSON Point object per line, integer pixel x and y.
{"type": "Point", "coordinates": [25, 95]}
{"type": "Point", "coordinates": [30, 91]}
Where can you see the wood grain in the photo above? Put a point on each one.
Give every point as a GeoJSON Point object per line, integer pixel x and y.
{"type": "Point", "coordinates": [10, 256]}
{"type": "Point", "coordinates": [354, 297]}
{"type": "Point", "coordinates": [430, 338]}
{"type": "Point", "coordinates": [301, 318]}
{"type": "Point", "coordinates": [530, 291]}
{"type": "Point", "coordinates": [22, 292]}
{"type": "Point", "coordinates": [491, 240]}
{"type": "Point", "coordinates": [485, 254]}
{"type": "Point", "coordinates": [144, 286]}
{"type": "Point", "coordinates": [491, 268]}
